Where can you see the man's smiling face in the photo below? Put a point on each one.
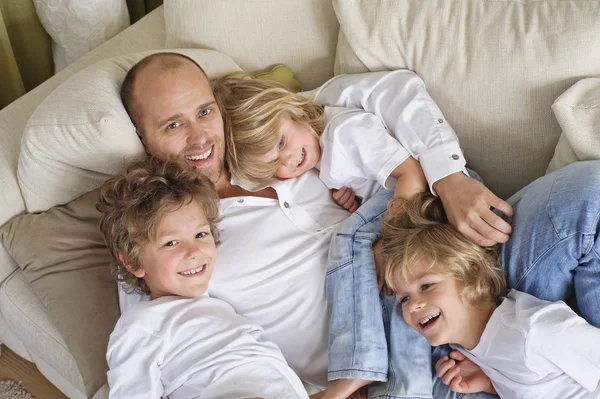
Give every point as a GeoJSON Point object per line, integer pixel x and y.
{"type": "Point", "coordinates": [178, 117]}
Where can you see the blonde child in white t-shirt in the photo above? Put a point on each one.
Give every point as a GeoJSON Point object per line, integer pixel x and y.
{"type": "Point", "coordinates": [453, 291]}
{"type": "Point", "coordinates": [159, 222]}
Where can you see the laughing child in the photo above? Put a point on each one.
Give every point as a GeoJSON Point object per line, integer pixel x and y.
{"type": "Point", "coordinates": [453, 292]}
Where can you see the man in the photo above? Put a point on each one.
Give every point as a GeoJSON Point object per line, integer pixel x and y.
{"type": "Point", "coordinates": [272, 259]}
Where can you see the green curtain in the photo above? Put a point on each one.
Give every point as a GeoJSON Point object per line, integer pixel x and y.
{"type": "Point", "coordinates": [139, 8]}
{"type": "Point", "coordinates": [26, 48]}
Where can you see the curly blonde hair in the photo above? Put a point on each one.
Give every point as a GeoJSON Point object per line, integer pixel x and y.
{"type": "Point", "coordinates": [252, 112]}
{"type": "Point", "coordinates": [418, 230]}
{"type": "Point", "coordinates": [133, 204]}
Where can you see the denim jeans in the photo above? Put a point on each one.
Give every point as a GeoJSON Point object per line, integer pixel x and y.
{"type": "Point", "coordinates": [552, 254]}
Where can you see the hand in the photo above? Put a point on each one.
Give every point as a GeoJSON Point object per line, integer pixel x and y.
{"type": "Point", "coordinates": [345, 198]}
{"type": "Point", "coordinates": [467, 204]}
{"type": "Point", "coordinates": [462, 375]}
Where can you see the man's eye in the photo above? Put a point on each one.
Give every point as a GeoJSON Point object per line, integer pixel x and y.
{"type": "Point", "coordinates": [281, 143]}
{"type": "Point", "coordinates": [425, 287]}
{"type": "Point", "coordinates": [202, 234]}
{"type": "Point", "coordinates": [170, 243]}
{"type": "Point", "coordinates": [205, 112]}
{"type": "Point", "coordinates": [173, 125]}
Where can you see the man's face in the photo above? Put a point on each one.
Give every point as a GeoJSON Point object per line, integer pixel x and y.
{"type": "Point", "coordinates": [178, 118]}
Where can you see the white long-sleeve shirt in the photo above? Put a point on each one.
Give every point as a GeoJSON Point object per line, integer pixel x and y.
{"type": "Point", "coordinates": [535, 349]}
{"type": "Point", "coordinates": [175, 347]}
{"type": "Point", "coordinates": [272, 261]}
{"type": "Point", "coordinates": [401, 100]}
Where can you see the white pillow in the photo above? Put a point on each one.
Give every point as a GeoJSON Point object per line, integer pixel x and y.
{"type": "Point", "coordinates": [578, 113]}
{"type": "Point", "coordinates": [77, 27]}
{"type": "Point", "coordinates": [80, 134]}
{"type": "Point", "coordinates": [494, 67]}
{"type": "Point", "coordinates": [257, 34]}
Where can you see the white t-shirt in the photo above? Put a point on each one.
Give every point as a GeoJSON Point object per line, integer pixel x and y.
{"type": "Point", "coordinates": [180, 347]}
{"type": "Point", "coordinates": [532, 349]}
{"type": "Point", "coordinates": [272, 260]}
{"type": "Point", "coordinates": [357, 151]}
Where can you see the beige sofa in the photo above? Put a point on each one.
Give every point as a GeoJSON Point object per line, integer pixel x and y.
{"type": "Point", "coordinates": [494, 67]}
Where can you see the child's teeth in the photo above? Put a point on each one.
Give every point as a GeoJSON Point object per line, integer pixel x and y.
{"type": "Point", "coordinates": [198, 270]}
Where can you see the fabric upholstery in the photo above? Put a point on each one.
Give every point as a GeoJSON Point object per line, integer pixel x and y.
{"type": "Point", "coordinates": [494, 68]}
{"type": "Point", "coordinates": [578, 113]}
{"type": "Point", "coordinates": [81, 134]}
{"type": "Point", "coordinates": [63, 256]}
{"type": "Point", "coordinates": [257, 34]}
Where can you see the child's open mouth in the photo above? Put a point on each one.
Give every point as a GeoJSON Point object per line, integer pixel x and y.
{"type": "Point", "coordinates": [302, 158]}
{"type": "Point", "coordinates": [193, 272]}
{"type": "Point", "coordinates": [428, 322]}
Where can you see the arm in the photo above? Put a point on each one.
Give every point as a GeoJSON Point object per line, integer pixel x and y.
{"type": "Point", "coordinates": [133, 359]}
{"type": "Point", "coordinates": [400, 99]}
{"type": "Point", "coordinates": [410, 179]}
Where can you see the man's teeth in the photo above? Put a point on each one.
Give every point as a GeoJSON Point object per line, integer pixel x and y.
{"type": "Point", "coordinates": [194, 271]}
{"type": "Point", "coordinates": [199, 157]}
{"type": "Point", "coordinates": [425, 321]}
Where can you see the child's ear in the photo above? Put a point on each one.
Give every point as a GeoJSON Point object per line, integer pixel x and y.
{"type": "Point", "coordinates": [139, 272]}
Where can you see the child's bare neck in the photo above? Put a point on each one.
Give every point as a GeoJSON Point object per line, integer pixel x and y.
{"type": "Point", "coordinates": [480, 316]}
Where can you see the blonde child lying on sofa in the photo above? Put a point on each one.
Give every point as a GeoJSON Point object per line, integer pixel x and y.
{"type": "Point", "coordinates": [159, 222]}
{"type": "Point", "coordinates": [453, 292]}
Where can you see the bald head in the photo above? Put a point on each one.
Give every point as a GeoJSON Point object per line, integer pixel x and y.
{"type": "Point", "coordinates": [158, 63]}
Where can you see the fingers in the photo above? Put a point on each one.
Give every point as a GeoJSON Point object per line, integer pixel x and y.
{"type": "Point", "coordinates": [457, 384]}
{"type": "Point", "coordinates": [443, 365]}
{"type": "Point", "coordinates": [457, 355]}
{"type": "Point", "coordinates": [501, 205]}
{"type": "Point", "coordinates": [345, 198]}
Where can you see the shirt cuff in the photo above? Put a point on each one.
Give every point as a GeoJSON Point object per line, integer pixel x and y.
{"type": "Point", "coordinates": [442, 161]}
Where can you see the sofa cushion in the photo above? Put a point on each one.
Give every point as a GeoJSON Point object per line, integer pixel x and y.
{"type": "Point", "coordinates": [63, 256]}
{"type": "Point", "coordinates": [494, 68]}
{"type": "Point", "coordinates": [80, 134]}
{"type": "Point", "coordinates": [577, 111]}
{"type": "Point", "coordinates": [300, 33]}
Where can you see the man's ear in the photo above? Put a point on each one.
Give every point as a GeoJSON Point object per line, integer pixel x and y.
{"type": "Point", "coordinates": [138, 272]}
{"type": "Point", "coordinates": [141, 137]}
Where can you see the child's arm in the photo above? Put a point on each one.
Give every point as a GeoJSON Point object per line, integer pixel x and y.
{"type": "Point", "coordinates": [133, 360]}
{"type": "Point", "coordinates": [410, 179]}
{"type": "Point", "coordinates": [462, 375]}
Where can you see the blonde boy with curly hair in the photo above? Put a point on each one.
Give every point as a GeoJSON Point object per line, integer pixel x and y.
{"type": "Point", "coordinates": [453, 291]}
{"type": "Point", "coordinates": [159, 222]}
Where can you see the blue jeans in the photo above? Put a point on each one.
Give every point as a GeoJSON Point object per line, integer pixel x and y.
{"type": "Point", "coordinates": [552, 254]}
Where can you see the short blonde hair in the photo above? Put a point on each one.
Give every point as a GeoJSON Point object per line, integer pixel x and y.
{"type": "Point", "coordinates": [252, 111]}
{"type": "Point", "coordinates": [133, 204]}
{"type": "Point", "coordinates": [418, 231]}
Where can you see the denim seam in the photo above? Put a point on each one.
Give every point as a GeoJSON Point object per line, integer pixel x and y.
{"type": "Point", "coordinates": [535, 264]}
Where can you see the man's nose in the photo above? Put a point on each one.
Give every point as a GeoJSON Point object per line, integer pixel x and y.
{"type": "Point", "coordinates": [197, 133]}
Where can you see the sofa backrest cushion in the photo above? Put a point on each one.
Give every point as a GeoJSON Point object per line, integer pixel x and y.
{"type": "Point", "coordinates": [81, 134]}
{"type": "Point", "coordinates": [257, 34]}
{"type": "Point", "coordinates": [494, 68]}
{"type": "Point", "coordinates": [578, 113]}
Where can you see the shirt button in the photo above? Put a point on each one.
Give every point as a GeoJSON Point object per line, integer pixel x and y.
{"type": "Point", "coordinates": [440, 120]}
{"type": "Point", "coordinates": [286, 204]}
{"type": "Point", "coordinates": [240, 201]}
{"type": "Point", "coordinates": [455, 157]}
